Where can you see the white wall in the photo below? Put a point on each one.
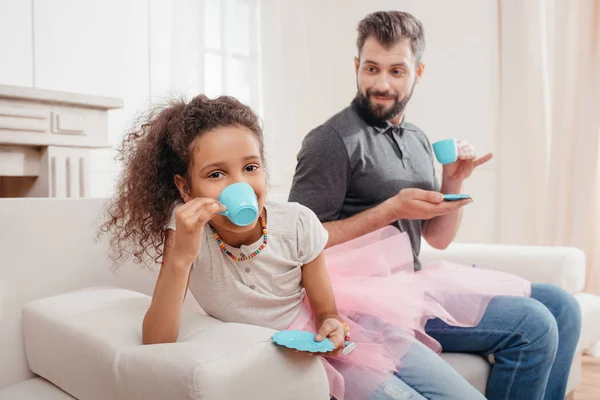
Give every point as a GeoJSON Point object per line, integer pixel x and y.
{"type": "Point", "coordinates": [90, 47]}
{"type": "Point", "coordinates": [16, 56]}
{"type": "Point", "coordinates": [135, 50]}
{"type": "Point", "coordinates": [309, 75]}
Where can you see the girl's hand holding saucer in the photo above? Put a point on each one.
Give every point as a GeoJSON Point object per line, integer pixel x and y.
{"type": "Point", "coordinates": [336, 331]}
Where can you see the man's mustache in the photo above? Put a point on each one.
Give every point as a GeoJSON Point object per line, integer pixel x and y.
{"type": "Point", "coordinates": [388, 95]}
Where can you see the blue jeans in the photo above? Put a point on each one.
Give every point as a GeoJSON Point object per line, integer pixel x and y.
{"type": "Point", "coordinates": [532, 341]}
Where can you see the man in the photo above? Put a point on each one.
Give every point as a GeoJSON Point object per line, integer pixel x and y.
{"type": "Point", "coordinates": [367, 167]}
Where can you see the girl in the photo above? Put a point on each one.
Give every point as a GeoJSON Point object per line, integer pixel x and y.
{"type": "Point", "coordinates": [272, 272]}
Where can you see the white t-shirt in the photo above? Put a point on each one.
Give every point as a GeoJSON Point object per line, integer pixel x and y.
{"type": "Point", "coordinates": [265, 290]}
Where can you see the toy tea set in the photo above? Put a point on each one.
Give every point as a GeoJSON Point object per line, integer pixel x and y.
{"type": "Point", "coordinates": [242, 210]}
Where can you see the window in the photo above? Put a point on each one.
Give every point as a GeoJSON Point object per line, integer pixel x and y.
{"type": "Point", "coordinates": [231, 60]}
{"type": "Point", "coordinates": [195, 46]}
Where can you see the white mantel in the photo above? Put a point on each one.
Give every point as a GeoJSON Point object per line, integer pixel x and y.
{"type": "Point", "coordinates": [46, 138]}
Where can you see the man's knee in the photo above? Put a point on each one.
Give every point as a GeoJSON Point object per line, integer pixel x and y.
{"type": "Point", "coordinates": [562, 304]}
{"type": "Point", "coordinates": [539, 328]}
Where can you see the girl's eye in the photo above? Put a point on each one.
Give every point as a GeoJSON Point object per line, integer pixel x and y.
{"type": "Point", "coordinates": [251, 168]}
{"type": "Point", "coordinates": [216, 175]}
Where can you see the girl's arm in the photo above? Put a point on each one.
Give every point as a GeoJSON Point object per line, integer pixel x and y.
{"type": "Point", "coordinates": [315, 280]}
{"type": "Point", "coordinates": [162, 320]}
{"type": "Point", "coordinates": [182, 247]}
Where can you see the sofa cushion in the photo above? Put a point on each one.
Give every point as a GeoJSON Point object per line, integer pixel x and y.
{"type": "Point", "coordinates": [74, 339]}
{"type": "Point", "coordinates": [474, 368]}
{"type": "Point", "coordinates": [590, 319]}
{"type": "Point", "coordinates": [88, 343]}
{"type": "Point", "coordinates": [33, 389]}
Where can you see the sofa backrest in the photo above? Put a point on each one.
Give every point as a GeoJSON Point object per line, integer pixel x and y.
{"type": "Point", "coordinates": [49, 246]}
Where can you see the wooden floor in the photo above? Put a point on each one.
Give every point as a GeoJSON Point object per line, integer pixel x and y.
{"type": "Point", "coordinates": [589, 388]}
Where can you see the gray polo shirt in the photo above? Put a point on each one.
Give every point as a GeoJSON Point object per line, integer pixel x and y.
{"type": "Point", "coordinates": [347, 166]}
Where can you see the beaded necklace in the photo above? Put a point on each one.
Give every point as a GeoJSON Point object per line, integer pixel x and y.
{"type": "Point", "coordinates": [245, 257]}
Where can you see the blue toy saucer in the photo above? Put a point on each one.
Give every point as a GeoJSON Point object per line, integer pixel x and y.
{"type": "Point", "coordinates": [302, 341]}
{"type": "Point", "coordinates": [454, 197]}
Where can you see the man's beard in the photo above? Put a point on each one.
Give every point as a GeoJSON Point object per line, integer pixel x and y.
{"type": "Point", "coordinates": [378, 113]}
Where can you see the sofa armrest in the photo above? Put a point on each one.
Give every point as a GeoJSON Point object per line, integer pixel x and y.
{"type": "Point", "coordinates": [88, 343]}
{"type": "Point", "coordinates": [561, 266]}
{"type": "Point", "coordinates": [223, 361]}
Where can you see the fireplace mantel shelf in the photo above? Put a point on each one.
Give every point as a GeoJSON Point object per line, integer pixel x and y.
{"type": "Point", "coordinates": [45, 140]}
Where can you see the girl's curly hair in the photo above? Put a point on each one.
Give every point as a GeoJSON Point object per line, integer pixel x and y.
{"type": "Point", "coordinates": [157, 149]}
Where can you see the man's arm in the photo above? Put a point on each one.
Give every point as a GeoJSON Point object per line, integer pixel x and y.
{"type": "Point", "coordinates": [360, 224]}
{"type": "Point", "coordinates": [321, 181]}
{"type": "Point", "coordinates": [322, 174]}
{"type": "Point", "coordinates": [440, 231]}
{"type": "Point", "coordinates": [408, 204]}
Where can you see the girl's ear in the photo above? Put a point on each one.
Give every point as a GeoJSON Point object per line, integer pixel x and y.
{"type": "Point", "coordinates": [183, 187]}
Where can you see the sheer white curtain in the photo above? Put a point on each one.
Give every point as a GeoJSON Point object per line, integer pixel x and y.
{"type": "Point", "coordinates": [205, 46]}
{"type": "Point", "coordinates": [550, 125]}
{"type": "Point", "coordinates": [194, 46]}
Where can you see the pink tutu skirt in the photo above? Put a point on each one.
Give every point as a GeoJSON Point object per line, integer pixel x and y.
{"type": "Point", "coordinates": [387, 303]}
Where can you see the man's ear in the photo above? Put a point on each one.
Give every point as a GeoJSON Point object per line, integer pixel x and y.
{"type": "Point", "coordinates": [356, 64]}
{"type": "Point", "coordinates": [420, 71]}
{"type": "Point", "coordinates": [183, 187]}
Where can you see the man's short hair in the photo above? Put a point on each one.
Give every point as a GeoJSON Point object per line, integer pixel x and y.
{"type": "Point", "coordinates": [389, 27]}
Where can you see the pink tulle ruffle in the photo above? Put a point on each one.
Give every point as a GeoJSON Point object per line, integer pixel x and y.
{"type": "Point", "coordinates": [386, 304]}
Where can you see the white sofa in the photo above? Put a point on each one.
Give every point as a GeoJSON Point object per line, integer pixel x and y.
{"type": "Point", "coordinates": [70, 327]}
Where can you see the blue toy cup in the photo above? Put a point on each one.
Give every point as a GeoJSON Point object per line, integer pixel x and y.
{"type": "Point", "coordinates": [446, 151]}
{"type": "Point", "coordinates": [241, 203]}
